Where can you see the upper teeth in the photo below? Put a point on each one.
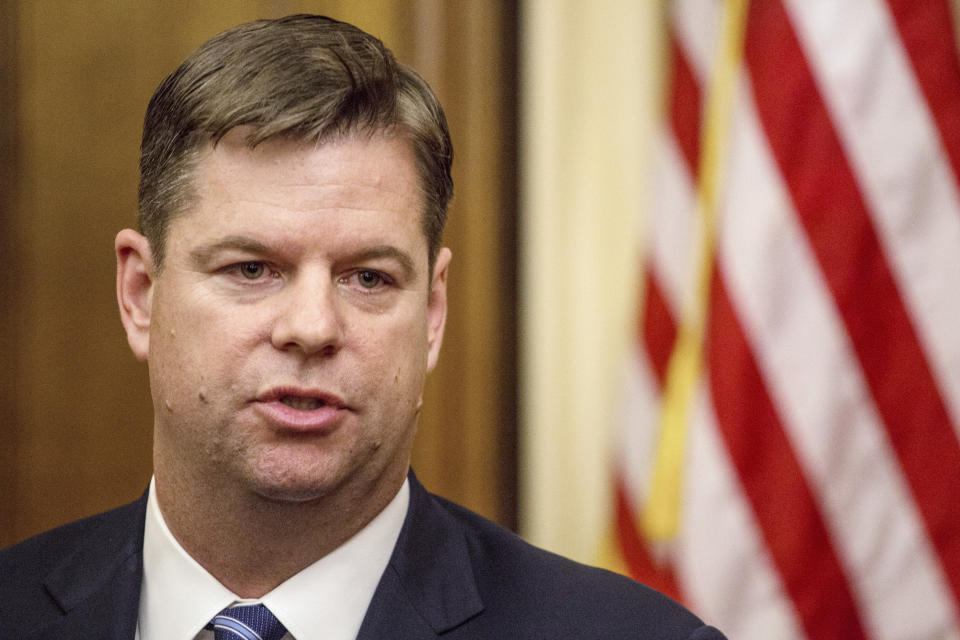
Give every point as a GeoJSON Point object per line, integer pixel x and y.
{"type": "Point", "coordinates": [302, 404]}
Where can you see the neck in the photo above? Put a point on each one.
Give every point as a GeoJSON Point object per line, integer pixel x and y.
{"type": "Point", "coordinates": [251, 544]}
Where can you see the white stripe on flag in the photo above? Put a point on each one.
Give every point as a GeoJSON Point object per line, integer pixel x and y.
{"type": "Point", "coordinates": [671, 229]}
{"type": "Point", "coordinates": [722, 561]}
{"type": "Point", "coordinates": [816, 383]}
{"type": "Point", "coordinates": [697, 25]}
{"type": "Point", "coordinates": [638, 438]}
{"type": "Point", "coordinates": [882, 119]}
{"type": "Point", "coordinates": [719, 536]}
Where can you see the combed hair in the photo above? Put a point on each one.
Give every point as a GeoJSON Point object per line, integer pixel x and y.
{"type": "Point", "coordinates": [302, 77]}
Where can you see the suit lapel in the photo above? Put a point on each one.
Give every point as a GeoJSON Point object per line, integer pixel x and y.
{"type": "Point", "coordinates": [429, 586]}
{"type": "Point", "coordinates": [98, 586]}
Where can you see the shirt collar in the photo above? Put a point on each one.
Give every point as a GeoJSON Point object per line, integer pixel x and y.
{"type": "Point", "coordinates": [327, 599]}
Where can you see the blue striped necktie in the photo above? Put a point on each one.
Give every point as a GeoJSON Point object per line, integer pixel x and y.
{"type": "Point", "coordinates": [246, 622]}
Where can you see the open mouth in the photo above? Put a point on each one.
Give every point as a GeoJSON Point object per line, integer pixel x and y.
{"type": "Point", "coordinates": [303, 404]}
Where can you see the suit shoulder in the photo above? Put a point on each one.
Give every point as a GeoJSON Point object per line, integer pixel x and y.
{"type": "Point", "coordinates": [563, 598]}
{"type": "Point", "coordinates": [24, 566]}
{"type": "Point", "coordinates": [503, 550]}
{"type": "Point", "coordinates": [46, 547]}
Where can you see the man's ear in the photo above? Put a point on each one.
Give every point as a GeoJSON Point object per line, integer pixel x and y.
{"type": "Point", "coordinates": [437, 307]}
{"type": "Point", "coordinates": [135, 278]}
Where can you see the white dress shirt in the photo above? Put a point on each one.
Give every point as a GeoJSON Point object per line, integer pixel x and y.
{"type": "Point", "coordinates": [326, 600]}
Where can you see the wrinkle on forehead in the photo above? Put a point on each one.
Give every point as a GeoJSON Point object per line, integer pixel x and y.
{"type": "Point", "coordinates": [287, 197]}
{"type": "Point", "coordinates": [291, 164]}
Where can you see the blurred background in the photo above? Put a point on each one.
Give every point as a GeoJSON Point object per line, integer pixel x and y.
{"type": "Point", "coordinates": [77, 423]}
{"type": "Point", "coordinates": [704, 299]}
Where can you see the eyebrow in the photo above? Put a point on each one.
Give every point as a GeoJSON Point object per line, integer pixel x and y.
{"type": "Point", "coordinates": [203, 254]}
{"type": "Point", "coordinates": [387, 252]}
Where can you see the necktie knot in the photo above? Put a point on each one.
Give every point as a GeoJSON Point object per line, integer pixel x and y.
{"type": "Point", "coordinates": [247, 622]}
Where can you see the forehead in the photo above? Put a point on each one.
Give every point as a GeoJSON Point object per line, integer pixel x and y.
{"type": "Point", "coordinates": [355, 167]}
{"type": "Point", "coordinates": [365, 181]}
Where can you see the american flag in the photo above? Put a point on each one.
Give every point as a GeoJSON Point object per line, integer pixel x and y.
{"type": "Point", "coordinates": [790, 461]}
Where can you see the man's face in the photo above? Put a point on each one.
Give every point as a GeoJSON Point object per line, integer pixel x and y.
{"type": "Point", "coordinates": [295, 319]}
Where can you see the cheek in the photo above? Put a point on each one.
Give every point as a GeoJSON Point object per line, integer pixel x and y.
{"type": "Point", "coordinates": [405, 344]}
{"type": "Point", "coordinates": [395, 362]}
{"type": "Point", "coordinates": [173, 371]}
{"type": "Point", "coordinates": [206, 331]}
{"type": "Point", "coordinates": [410, 374]}
{"type": "Point", "coordinates": [192, 359]}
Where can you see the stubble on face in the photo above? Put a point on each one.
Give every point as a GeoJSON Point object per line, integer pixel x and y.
{"type": "Point", "coordinates": [323, 223]}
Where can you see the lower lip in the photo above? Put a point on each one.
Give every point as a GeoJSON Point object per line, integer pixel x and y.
{"type": "Point", "coordinates": [283, 417]}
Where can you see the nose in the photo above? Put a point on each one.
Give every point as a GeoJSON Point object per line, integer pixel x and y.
{"type": "Point", "coordinates": [309, 319]}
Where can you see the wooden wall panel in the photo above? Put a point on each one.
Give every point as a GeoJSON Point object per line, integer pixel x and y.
{"type": "Point", "coordinates": [77, 422]}
{"type": "Point", "coordinates": [470, 433]}
{"type": "Point", "coordinates": [8, 288]}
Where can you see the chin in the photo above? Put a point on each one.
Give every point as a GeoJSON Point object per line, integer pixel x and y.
{"type": "Point", "coordinates": [297, 485]}
{"type": "Point", "coordinates": [299, 476]}
{"type": "Point", "coordinates": [290, 494]}
{"type": "Point", "coordinates": [292, 481]}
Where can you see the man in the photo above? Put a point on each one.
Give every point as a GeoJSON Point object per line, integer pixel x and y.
{"type": "Point", "coordinates": [288, 293]}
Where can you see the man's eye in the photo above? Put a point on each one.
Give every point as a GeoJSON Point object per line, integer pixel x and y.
{"type": "Point", "coordinates": [369, 279]}
{"type": "Point", "coordinates": [252, 270]}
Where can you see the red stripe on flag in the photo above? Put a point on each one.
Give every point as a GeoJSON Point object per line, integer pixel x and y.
{"type": "Point", "coordinates": [658, 331]}
{"type": "Point", "coordinates": [836, 221]}
{"type": "Point", "coordinates": [773, 480]}
{"type": "Point", "coordinates": [926, 29]}
{"type": "Point", "coordinates": [684, 104]}
{"type": "Point", "coordinates": [657, 334]}
{"type": "Point", "coordinates": [634, 550]}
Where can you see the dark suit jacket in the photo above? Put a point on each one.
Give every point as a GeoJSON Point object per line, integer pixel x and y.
{"type": "Point", "coordinates": [452, 575]}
